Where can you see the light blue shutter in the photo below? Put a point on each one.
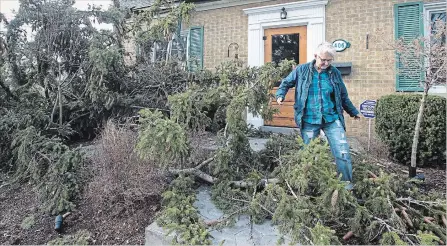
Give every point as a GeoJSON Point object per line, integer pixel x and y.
{"type": "Point", "coordinates": [195, 49]}
{"type": "Point", "coordinates": [408, 24]}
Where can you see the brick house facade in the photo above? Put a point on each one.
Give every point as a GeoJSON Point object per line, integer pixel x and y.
{"type": "Point", "coordinates": [244, 22]}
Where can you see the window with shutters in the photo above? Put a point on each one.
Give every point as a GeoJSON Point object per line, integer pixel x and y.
{"type": "Point", "coordinates": [408, 18]}
{"type": "Point", "coordinates": [174, 49]}
{"type": "Point", "coordinates": [195, 49]}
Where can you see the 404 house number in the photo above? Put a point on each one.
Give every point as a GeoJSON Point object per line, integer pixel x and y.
{"type": "Point", "coordinates": [340, 45]}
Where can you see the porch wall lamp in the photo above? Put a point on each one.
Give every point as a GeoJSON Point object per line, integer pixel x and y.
{"type": "Point", "coordinates": [236, 47]}
{"type": "Point", "coordinates": [283, 13]}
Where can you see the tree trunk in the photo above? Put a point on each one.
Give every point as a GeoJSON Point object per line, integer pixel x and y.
{"type": "Point", "coordinates": [60, 103]}
{"type": "Point", "coordinates": [417, 129]}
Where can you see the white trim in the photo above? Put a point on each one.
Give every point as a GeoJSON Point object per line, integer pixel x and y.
{"type": "Point", "coordinates": [429, 8]}
{"type": "Point", "coordinates": [310, 13]}
{"type": "Point", "coordinates": [436, 5]}
{"type": "Point", "coordinates": [224, 4]}
{"type": "Point", "coordinates": [288, 6]}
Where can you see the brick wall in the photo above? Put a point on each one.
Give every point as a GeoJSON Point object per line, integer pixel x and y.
{"type": "Point", "coordinates": [223, 27]}
{"type": "Point", "coordinates": [373, 73]}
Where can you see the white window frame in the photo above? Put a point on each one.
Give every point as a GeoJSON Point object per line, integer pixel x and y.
{"type": "Point", "coordinates": [431, 8]}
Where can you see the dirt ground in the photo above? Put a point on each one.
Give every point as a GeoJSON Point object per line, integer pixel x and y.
{"type": "Point", "coordinates": [20, 202]}
{"type": "Point", "coordinates": [435, 176]}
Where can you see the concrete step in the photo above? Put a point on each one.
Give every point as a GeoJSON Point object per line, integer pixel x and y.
{"type": "Point", "coordinates": [239, 234]}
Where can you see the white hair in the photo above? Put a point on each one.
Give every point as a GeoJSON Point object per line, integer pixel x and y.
{"type": "Point", "coordinates": [325, 47]}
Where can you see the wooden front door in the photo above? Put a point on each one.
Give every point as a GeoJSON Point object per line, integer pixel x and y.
{"type": "Point", "coordinates": [285, 43]}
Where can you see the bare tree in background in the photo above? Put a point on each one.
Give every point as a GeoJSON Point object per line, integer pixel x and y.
{"type": "Point", "coordinates": [425, 55]}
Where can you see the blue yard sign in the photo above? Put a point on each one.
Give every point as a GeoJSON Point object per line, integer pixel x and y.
{"type": "Point", "coordinates": [367, 109]}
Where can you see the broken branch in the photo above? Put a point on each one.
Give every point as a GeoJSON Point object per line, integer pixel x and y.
{"type": "Point", "coordinates": [205, 162]}
{"type": "Point", "coordinates": [208, 178]}
{"type": "Point", "coordinates": [429, 220]}
{"type": "Point", "coordinates": [444, 221]}
{"type": "Point", "coordinates": [348, 235]}
{"type": "Point", "coordinates": [372, 174]}
{"type": "Point", "coordinates": [219, 221]}
{"type": "Point", "coordinates": [291, 190]}
{"type": "Point", "coordinates": [246, 184]}
{"type": "Point", "coordinates": [260, 205]}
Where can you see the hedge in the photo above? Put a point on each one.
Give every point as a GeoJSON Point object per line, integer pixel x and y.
{"type": "Point", "coordinates": [395, 121]}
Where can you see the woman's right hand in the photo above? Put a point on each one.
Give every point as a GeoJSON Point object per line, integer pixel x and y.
{"type": "Point", "coordinates": [279, 100]}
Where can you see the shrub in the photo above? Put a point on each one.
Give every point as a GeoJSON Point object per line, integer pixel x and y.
{"type": "Point", "coordinates": [395, 122]}
{"type": "Point", "coordinates": [121, 179]}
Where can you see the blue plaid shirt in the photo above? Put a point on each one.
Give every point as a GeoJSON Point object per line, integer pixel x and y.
{"type": "Point", "coordinates": [320, 102]}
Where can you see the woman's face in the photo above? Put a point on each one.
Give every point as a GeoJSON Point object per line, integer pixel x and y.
{"type": "Point", "coordinates": [323, 60]}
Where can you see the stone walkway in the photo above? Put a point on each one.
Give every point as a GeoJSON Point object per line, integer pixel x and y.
{"type": "Point", "coordinates": [239, 234]}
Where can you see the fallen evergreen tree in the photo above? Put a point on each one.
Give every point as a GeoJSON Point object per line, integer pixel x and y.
{"type": "Point", "coordinates": [294, 185]}
{"type": "Point", "coordinates": [48, 95]}
{"type": "Point", "coordinates": [61, 78]}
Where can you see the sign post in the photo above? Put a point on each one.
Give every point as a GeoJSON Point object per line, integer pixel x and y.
{"type": "Point", "coordinates": [367, 109]}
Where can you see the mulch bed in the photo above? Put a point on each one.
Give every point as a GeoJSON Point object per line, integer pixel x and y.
{"type": "Point", "coordinates": [20, 201]}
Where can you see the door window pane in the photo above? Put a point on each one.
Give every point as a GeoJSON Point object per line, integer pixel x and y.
{"type": "Point", "coordinates": [285, 46]}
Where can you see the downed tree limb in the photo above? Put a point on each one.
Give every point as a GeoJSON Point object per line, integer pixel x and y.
{"type": "Point", "coordinates": [429, 220]}
{"type": "Point", "coordinates": [418, 202]}
{"type": "Point", "coordinates": [348, 235]}
{"type": "Point", "coordinates": [66, 215]}
{"type": "Point", "coordinates": [205, 162]}
{"type": "Point", "coordinates": [431, 226]}
{"type": "Point", "coordinates": [220, 221]}
{"type": "Point", "coordinates": [372, 174]}
{"type": "Point", "coordinates": [391, 228]}
{"type": "Point", "coordinates": [260, 205]}
{"type": "Point", "coordinates": [444, 221]}
{"type": "Point", "coordinates": [206, 177]}
{"type": "Point", "coordinates": [291, 190]}
{"type": "Point", "coordinates": [196, 171]}
{"type": "Point", "coordinates": [400, 208]}
{"type": "Point", "coordinates": [210, 179]}
{"type": "Point", "coordinates": [246, 184]}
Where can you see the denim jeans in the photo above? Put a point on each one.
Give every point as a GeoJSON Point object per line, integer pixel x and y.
{"type": "Point", "coordinates": [336, 137]}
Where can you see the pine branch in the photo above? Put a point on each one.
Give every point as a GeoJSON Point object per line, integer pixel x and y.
{"type": "Point", "coordinates": [392, 229]}
{"type": "Point", "coordinates": [260, 205]}
{"type": "Point", "coordinates": [419, 202]}
{"type": "Point", "coordinates": [220, 221]}
{"type": "Point", "coordinates": [291, 190]}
